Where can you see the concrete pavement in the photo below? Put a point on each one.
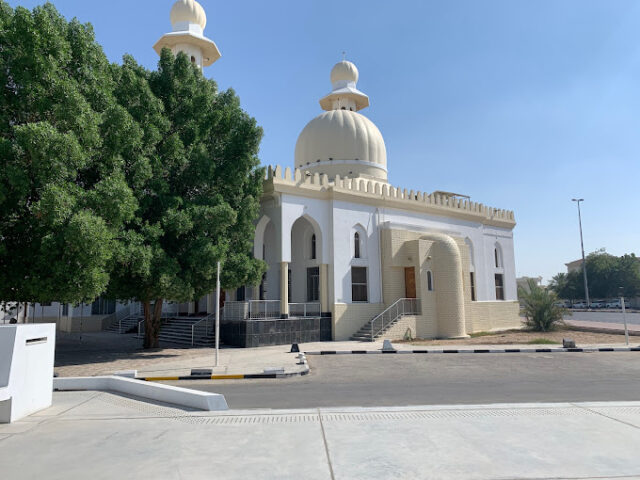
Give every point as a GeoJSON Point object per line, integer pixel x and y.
{"type": "Point", "coordinates": [106, 353]}
{"type": "Point", "coordinates": [103, 436]}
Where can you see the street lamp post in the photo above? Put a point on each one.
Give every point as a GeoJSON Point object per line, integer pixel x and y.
{"type": "Point", "coordinates": [584, 262]}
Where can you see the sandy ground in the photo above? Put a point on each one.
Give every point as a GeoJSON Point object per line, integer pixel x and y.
{"type": "Point", "coordinates": [526, 337]}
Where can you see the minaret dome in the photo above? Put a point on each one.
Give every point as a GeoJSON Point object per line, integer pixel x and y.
{"type": "Point", "coordinates": [188, 20]}
{"type": "Point", "coordinates": [188, 11]}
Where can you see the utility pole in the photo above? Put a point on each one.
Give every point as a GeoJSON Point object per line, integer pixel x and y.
{"type": "Point", "coordinates": [218, 315]}
{"type": "Point", "coordinates": [584, 262]}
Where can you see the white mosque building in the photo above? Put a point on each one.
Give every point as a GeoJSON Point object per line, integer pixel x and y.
{"type": "Point", "coordinates": [348, 254]}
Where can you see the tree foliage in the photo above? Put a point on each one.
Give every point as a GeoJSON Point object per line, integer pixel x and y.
{"type": "Point", "coordinates": [115, 178]}
{"type": "Point", "coordinates": [608, 276]}
{"type": "Point", "coordinates": [63, 197]}
{"type": "Point", "coordinates": [191, 159]}
{"type": "Point", "coordinates": [540, 307]}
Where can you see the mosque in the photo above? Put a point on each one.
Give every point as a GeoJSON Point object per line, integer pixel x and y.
{"type": "Point", "coordinates": [349, 255]}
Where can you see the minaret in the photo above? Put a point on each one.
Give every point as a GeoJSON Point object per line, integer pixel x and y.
{"type": "Point", "coordinates": [345, 95]}
{"type": "Point", "coordinates": [188, 20]}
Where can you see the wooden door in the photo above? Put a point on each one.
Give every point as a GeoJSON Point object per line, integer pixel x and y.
{"type": "Point", "coordinates": [410, 282]}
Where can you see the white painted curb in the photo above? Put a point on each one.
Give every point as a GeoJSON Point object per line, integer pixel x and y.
{"type": "Point", "coordinates": [139, 388]}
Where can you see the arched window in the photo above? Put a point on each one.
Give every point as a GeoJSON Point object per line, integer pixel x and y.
{"type": "Point", "coordinates": [496, 254]}
{"type": "Point", "coordinates": [429, 281]}
{"type": "Point", "coordinates": [356, 245]}
{"type": "Point", "coordinates": [313, 246]}
{"type": "Point", "coordinates": [193, 59]}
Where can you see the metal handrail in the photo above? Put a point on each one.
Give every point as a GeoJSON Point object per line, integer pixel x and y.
{"type": "Point", "coordinates": [401, 307]}
{"type": "Point", "coordinates": [308, 309]}
{"type": "Point", "coordinates": [264, 308]}
{"type": "Point", "coordinates": [197, 325]}
{"type": "Point", "coordinates": [235, 310]}
{"type": "Point", "coordinates": [119, 316]}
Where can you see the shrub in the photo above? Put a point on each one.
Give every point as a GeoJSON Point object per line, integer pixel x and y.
{"type": "Point", "coordinates": [539, 307]}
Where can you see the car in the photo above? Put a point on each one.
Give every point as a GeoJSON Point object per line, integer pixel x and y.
{"type": "Point", "coordinates": [580, 305]}
{"type": "Point", "coordinates": [614, 304]}
{"type": "Point", "coordinates": [598, 304]}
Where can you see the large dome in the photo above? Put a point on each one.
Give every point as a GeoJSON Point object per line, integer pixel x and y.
{"type": "Point", "coordinates": [342, 142]}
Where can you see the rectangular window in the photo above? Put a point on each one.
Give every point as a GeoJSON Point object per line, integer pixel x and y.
{"type": "Point", "coordinates": [499, 286]}
{"type": "Point", "coordinates": [263, 287]}
{"type": "Point", "coordinates": [473, 286]}
{"type": "Point", "coordinates": [241, 294]}
{"type": "Point", "coordinates": [359, 284]}
{"type": "Point", "coordinates": [313, 284]}
{"type": "Point", "coordinates": [103, 306]}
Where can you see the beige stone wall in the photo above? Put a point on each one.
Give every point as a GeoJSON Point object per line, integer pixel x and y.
{"type": "Point", "coordinates": [399, 330]}
{"type": "Point", "coordinates": [488, 316]}
{"type": "Point", "coordinates": [92, 323]}
{"type": "Point", "coordinates": [348, 318]}
{"type": "Point", "coordinates": [447, 311]}
{"type": "Point", "coordinates": [443, 308]}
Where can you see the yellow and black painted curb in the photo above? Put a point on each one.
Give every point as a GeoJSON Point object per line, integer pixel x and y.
{"type": "Point", "coordinates": [223, 377]}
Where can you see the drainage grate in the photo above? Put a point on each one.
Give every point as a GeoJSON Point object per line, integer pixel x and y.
{"type": "Point", "coordinates": [445, 414]}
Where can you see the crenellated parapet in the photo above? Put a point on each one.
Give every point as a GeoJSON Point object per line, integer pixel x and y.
{"type": "Point", "coordinates": [372, 191]}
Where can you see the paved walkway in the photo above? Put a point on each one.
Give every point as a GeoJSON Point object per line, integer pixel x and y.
{"type": "Point", "coordinates": [104, 436]}
{"type": "Point", "coordinates": [105, 353]}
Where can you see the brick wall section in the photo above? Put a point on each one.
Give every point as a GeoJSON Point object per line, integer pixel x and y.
{"type": "Point", "coordinates": [447, 311]}
{"type": "Point", "coordinates": [399, 330]}
{"type": "Point", "coordinates": [487, 316]}
{"type": "Point", "coordinates": [348, 318]}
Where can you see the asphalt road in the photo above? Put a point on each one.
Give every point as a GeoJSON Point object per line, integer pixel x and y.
{"type": "Point", "coordinates": [606, 317]}
{"type": "Point", "coordinates": [401, 380]}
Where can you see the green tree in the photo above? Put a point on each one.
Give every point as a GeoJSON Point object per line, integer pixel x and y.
{"type": "Point", "coordinates": [608, 277]}
{"type": "Point", "coordinates": [540, 307]}
{"type": "Point", "coordinates": [192, 162]}
{"type": "Point", "coordinates": [63, 193]}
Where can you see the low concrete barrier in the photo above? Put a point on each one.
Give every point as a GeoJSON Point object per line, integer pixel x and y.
{"type": "Point", "coordinates": [26, 369]}
{"type": "Point", "coordinates": [140, 388]}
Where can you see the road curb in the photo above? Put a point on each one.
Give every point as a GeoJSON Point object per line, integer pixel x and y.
{"type": "Point", "coordinates": [477, 350]}
{"type": "Point", "coordinates": [225, 377]}
{"type": "Point", "coordinates": [239, 376]}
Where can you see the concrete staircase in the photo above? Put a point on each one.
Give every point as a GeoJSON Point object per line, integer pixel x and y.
{"type": "Point", "coordinates": [381, 323]}
{"type": "Point", "coordinates": [364, 334]}
{"type": "Point", "coordinates": [178, 331]}
{"type": "Point", "coordinates": [126, 325]}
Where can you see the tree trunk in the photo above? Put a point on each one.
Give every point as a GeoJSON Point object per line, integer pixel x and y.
{"type": "Point", "coordinates": [26, 309]}
{"type": "Point", "coordinates": [152, 321]}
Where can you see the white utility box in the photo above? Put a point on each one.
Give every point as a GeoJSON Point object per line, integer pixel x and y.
{"type": "Point", "coordinates": [26, 369]}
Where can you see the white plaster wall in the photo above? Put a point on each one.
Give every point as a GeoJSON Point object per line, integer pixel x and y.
{"type": "Point", "coordinates": [337, 221]}
{"type": "Point", "coordinates": [347, 218]}
{"type": "Point", "coordinates": [190, 51]}
{"type": "Point", "coordinates": [317, 212]}
{"type": "Point", "coordinates": [26, 384]}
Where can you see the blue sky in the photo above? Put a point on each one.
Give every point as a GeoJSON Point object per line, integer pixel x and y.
{"type": "Point", "coordinates": [519, 104]}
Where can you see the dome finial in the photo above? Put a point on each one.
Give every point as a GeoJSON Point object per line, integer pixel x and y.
{"type": "Point", "coordinates": [345, 95]}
